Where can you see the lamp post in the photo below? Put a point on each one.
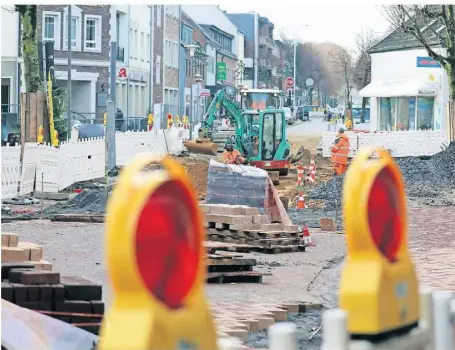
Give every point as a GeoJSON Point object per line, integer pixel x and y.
{"type": "Point", "coordinates": [198, 59]}
{"type": "Point", "coordinates": [240, 72]}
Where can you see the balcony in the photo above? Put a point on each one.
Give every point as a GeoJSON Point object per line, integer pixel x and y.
{"type": "Point", "coordinates": [120, 54]}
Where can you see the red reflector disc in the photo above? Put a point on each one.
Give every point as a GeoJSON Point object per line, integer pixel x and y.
{"type": "Point", "coordinates": [384, 215]}
{"type": "Point", "coordinates": [168, 244]}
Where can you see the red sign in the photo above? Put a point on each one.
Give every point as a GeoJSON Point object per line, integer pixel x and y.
{"type": "Point", "coordinates": [167, 246]}
{"type": "Point", "coordinates": [384, 215]}
{"type": "Point", "coordinates": [289, 82]}
{"type": "Point", "coordinates": [122, 73]}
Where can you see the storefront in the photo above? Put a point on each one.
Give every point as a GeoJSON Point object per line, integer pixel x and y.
{"type": "Point", "coordinates": [408, 91]}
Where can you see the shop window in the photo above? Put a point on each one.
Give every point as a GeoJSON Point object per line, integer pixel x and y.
{"type": "Point", "coordinates": [425, 116]}
{"type": "Point", "coordinates": [385, 114]}
{"type": "Point", "coordinates": [405, 113]}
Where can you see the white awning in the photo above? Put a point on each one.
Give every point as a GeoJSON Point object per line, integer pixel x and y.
{"type": "Point", "coordinates": [397, 88]}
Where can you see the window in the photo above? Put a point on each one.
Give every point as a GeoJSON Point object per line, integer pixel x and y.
{"type": "Point", "coordinates": [158, 70]}
{"type": "Point", "coordinates": [133, 42]}
{"type": "Point", "coordinates": [137, 52]}
{"type": "Point", "coordinates": [118, 27]}
{"type": "Point", "coordinates": [210, 65]}
{"type": "Point", "coordinates": [158, 15]}
{"type": "Point", "coordinates": [171, 100]}
{"type": "Point", "coordinates": [405, 115]}
{"type": "Point", "coordinates": [148, 47]}
{"type": "Point", "coordinates": [425, 116]}
{"type": "Point", "coordinates": [76, 19]}
{"type": "Point", "coordinates": [143, 46]}
{"type": "Point", "coordinates": [187, 35]}
{"type": "Point", "coordinates": [92, 33]}
{"type": "Point", "coordinates": [51, 28]}
{"type": "Point", "coordinates": [171, 53]}
{"type": "Point", "coordinates": [385, 114]}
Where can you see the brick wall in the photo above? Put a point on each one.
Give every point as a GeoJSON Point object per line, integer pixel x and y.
{"type": "Point", "coordinates": [103, 11]}
{"type": "Point", "coordinates": [172, 33]}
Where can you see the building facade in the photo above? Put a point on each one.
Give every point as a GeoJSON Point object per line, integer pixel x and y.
{"type": "Point", "coordinates": [408, 89]}
{"type": "Point", "coordinates": [10, 59]}
{"type": "Point", "coordinates": [90, 51]}
{"type": "Point", "coordinates": [220, 30]}
{"type": "Point", "coordinates": [133, 34]}
{"type": "Point", "coordinates": [171, 58]}
{"type": "Point", "coordinates": [248, 23]}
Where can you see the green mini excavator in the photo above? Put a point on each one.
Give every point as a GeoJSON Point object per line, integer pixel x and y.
{"type": "Point", "coordinates": [259, 134]}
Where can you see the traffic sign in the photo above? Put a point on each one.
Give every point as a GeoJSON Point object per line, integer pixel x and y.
{"type": "Point", "coordinates": [289, 82]}
{"type": "Point", "coordinates": [309, 82]}
{"type": "Point", "coordinates": [123, 73]}
{"type": "Point", "coordinates": [333, 102]}
{"type": "Point", "coordinates": [205, 93]}
{"type": "Point", "coordinates": [156, 261]}
{"type": "Point", "coordinates": [378, 284]}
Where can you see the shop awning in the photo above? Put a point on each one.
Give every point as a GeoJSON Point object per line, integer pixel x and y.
{"type": "Point", "coordinates": [397, 88]}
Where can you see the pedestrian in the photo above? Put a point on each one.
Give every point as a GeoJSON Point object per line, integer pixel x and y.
{"type": "Point", "coordinates": [340, 152]}
{"type": "Point", "coordinates": [118, 119]}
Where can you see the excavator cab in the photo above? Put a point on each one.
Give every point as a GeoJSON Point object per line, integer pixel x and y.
{"type": "Point", "coordinates": [265, 139]}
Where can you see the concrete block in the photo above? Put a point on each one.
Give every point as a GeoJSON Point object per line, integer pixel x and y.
{"type": "Point", "coordinates": [261, 219]}
{"type": "Point", "coordinates": [251, 211]}
{"type": "Point", "coordinates": [33, 251]}
{"type": "Point", "coordinates": [272, 227]}
{"type": "Point", "coordinates": [205, 208]}
{"type": "Point", "coordinates": [13, 239]}
{"type": "Point", "coordinates": [5, 240]}
{"type": "Point", "coordinates": [328, 225]}
{"type": "Point", "coordinates": [225, 209]}
{"type": "Point", "coordinates": [12, 254]}
{"type": "Point", "coordinates": [291, 228]}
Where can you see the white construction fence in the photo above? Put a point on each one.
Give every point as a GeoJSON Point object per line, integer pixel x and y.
{"type": "Point", "coordinates": [435, 330]}
{"type": "Point", "coordinates": [400, 143]}
{"type": "Point", "coordinates": [53, 169]}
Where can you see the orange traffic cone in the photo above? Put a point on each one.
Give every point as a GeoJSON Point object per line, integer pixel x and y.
{"type": "Point", "coordinates": [312, 175]}
{"type": "Point", "coordinates": [306, 236]}
{"type": "Point", "coordinates": [300, 171]}
{"type": "Point", "coordinates": [301, 202]}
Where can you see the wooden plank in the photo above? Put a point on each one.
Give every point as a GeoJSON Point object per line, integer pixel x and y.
{"type": "Point", "coordinates": [230, 261]}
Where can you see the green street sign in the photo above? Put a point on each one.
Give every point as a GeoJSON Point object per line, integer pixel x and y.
{"type": "Point", "coordinates": [221, 71]}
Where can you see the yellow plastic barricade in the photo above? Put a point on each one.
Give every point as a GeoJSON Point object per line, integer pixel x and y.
{"type": "Point", "coordinates": [378, 286]}
{"type": "Point", "coordinates": [156, 262]}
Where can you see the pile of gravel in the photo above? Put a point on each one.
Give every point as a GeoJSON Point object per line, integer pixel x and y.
{"type": "Point", "coordinates": [88, 201]}
{"type": "Point", "coordinates": [428, 182]}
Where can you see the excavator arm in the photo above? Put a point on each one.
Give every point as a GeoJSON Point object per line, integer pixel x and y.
{"type": "Point", "coordinates": [234, 113]}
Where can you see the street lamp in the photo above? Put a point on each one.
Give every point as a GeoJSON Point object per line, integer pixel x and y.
{"type": "Point", "coordinates": [240, 72]}
{"type": "Point", "coordinates": [198, 59]}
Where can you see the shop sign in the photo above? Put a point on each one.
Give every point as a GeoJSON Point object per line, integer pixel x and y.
{"type": "Point", "coordinates": [138, 76]}
{"type": "Point", "coordinates": [427, 62]}
{"type": "Point", "coordinates": [427, 92]}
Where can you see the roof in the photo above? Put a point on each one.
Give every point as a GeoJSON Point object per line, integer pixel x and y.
{"type": "Point", "coordinates": [207, 36]}
{"type": "Point", "coordinates": [433, 31]}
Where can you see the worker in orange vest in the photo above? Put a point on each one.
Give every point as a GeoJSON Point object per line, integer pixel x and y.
{"type": "Point", "coordinates": [340, 151]}
{"type": "Point", "coordinates": [232, 156]}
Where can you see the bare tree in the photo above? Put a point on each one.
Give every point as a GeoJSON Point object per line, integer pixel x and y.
{"type": "Point", "coordinates": [362, 68]}
{"type": "Point", "coordinates": [433, 26]}
{"type": "Point", "coordinates": [342, 63]}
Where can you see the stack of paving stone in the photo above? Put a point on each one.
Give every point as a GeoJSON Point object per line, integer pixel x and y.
{"type": "Point", "coordinates": [14, 251]}
{"type": "Point", "coordinates": [237, 319]}
{"type": "Point", "coordinates": [248, 230]}
{"type": "Point", "coordinates": [28, 281]}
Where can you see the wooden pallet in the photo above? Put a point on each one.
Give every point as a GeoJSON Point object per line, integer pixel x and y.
{"type": "Point", "coordinates": [231, 268]}
{"type": "Point", "coordinates": [214, 246]}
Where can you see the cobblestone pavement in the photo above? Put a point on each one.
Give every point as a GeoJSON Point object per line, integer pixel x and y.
{"type": "Point", "coordinates": [77, 249]}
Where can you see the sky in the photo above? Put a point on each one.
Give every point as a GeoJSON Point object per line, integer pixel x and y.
{"type": "Point", "coordinates": [307, 21]}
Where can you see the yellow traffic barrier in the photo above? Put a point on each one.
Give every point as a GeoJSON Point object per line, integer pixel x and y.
{"type": "Point", "coordinates": [169, 120]}
{"type": "Point", "coordinates": [40, 137]}
{"type": "Point", "coordinates": [177, 120]}
{"type": "Point", "coordinates": [378, 287]}
{"type": "Point", "coordinates": [55, 142]}
{"type": "Point", "coordinates": [150, 121]}
{"type": "Point", "coordinates": [156, 262]}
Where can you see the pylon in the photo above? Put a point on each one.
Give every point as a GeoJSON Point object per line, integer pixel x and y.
{"type": "Point", "coordinates": [300, 171]}
{"type": "Point", "coordinates": [312, 175]}
{"type": "Point", "coordinates": [301, 202]}
{"type": "Point", "coordinates": [306, 236]}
